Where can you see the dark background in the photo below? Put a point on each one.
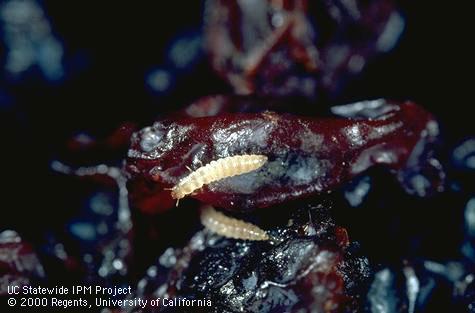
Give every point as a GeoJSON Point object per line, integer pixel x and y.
{"type": "Point", "coordinates": [110, 48]}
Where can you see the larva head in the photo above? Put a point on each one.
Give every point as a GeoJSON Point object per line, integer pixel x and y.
{"type": "Point", "coordinates": [177, 193]}
{"type": "Point", "coordinates": [183, 188]}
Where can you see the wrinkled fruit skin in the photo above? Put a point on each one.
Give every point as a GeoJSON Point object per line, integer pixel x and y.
{"type": "Point", "coordinates": [254, 45]}
{"type": "Point", "coordinates": [297, 47]}
{"type": "Point", "coordinates": [305, 155]}
{"type": "Point", "coordinates": [310, 267]}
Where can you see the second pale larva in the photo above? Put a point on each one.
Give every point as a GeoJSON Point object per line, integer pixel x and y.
{"type": "Point", "coordinates": [216, 170]}
{"type": "Point", "coordinates": [229, 227]}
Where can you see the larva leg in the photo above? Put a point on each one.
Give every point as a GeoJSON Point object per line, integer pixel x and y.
{"type": "Point", "coordinates": [223, 225]}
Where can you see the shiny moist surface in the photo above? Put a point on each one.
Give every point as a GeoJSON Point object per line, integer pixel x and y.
{"type": "Point", "coordinates": [306, 155]}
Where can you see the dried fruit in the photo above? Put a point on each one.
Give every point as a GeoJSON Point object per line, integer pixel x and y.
{"type": "Point", "coordinates": [305, 155]}
{"type": "Point", "coordinates": [297, 47]}
{"type": "Point", "coordinates": [311, 268]}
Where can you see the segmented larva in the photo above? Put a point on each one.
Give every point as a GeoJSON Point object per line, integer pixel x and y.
{"type": "Point", "coordinates": [216, 170]}
{"type": "Point", "coordinates": [229, 227]}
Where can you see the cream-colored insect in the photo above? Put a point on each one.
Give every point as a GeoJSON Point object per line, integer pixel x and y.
{"type": "Point", "coordinates": [229, 227]}
{"type": "Point", "coordinates": [216, 170]}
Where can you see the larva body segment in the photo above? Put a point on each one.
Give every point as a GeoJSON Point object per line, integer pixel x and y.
{"type": "Point", "coordinates": [217, 170]}
{"type": "Point", "coordinates": [229, 227]}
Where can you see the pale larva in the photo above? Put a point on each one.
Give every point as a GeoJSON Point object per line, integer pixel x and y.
{"type": "Point", "coordinates": [216, 170]}
{"type": "Point", "coordinates": [229, 227]}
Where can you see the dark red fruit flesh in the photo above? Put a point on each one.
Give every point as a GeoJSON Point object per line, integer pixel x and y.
{"type": "Point", "coordinates": [306, 155]}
